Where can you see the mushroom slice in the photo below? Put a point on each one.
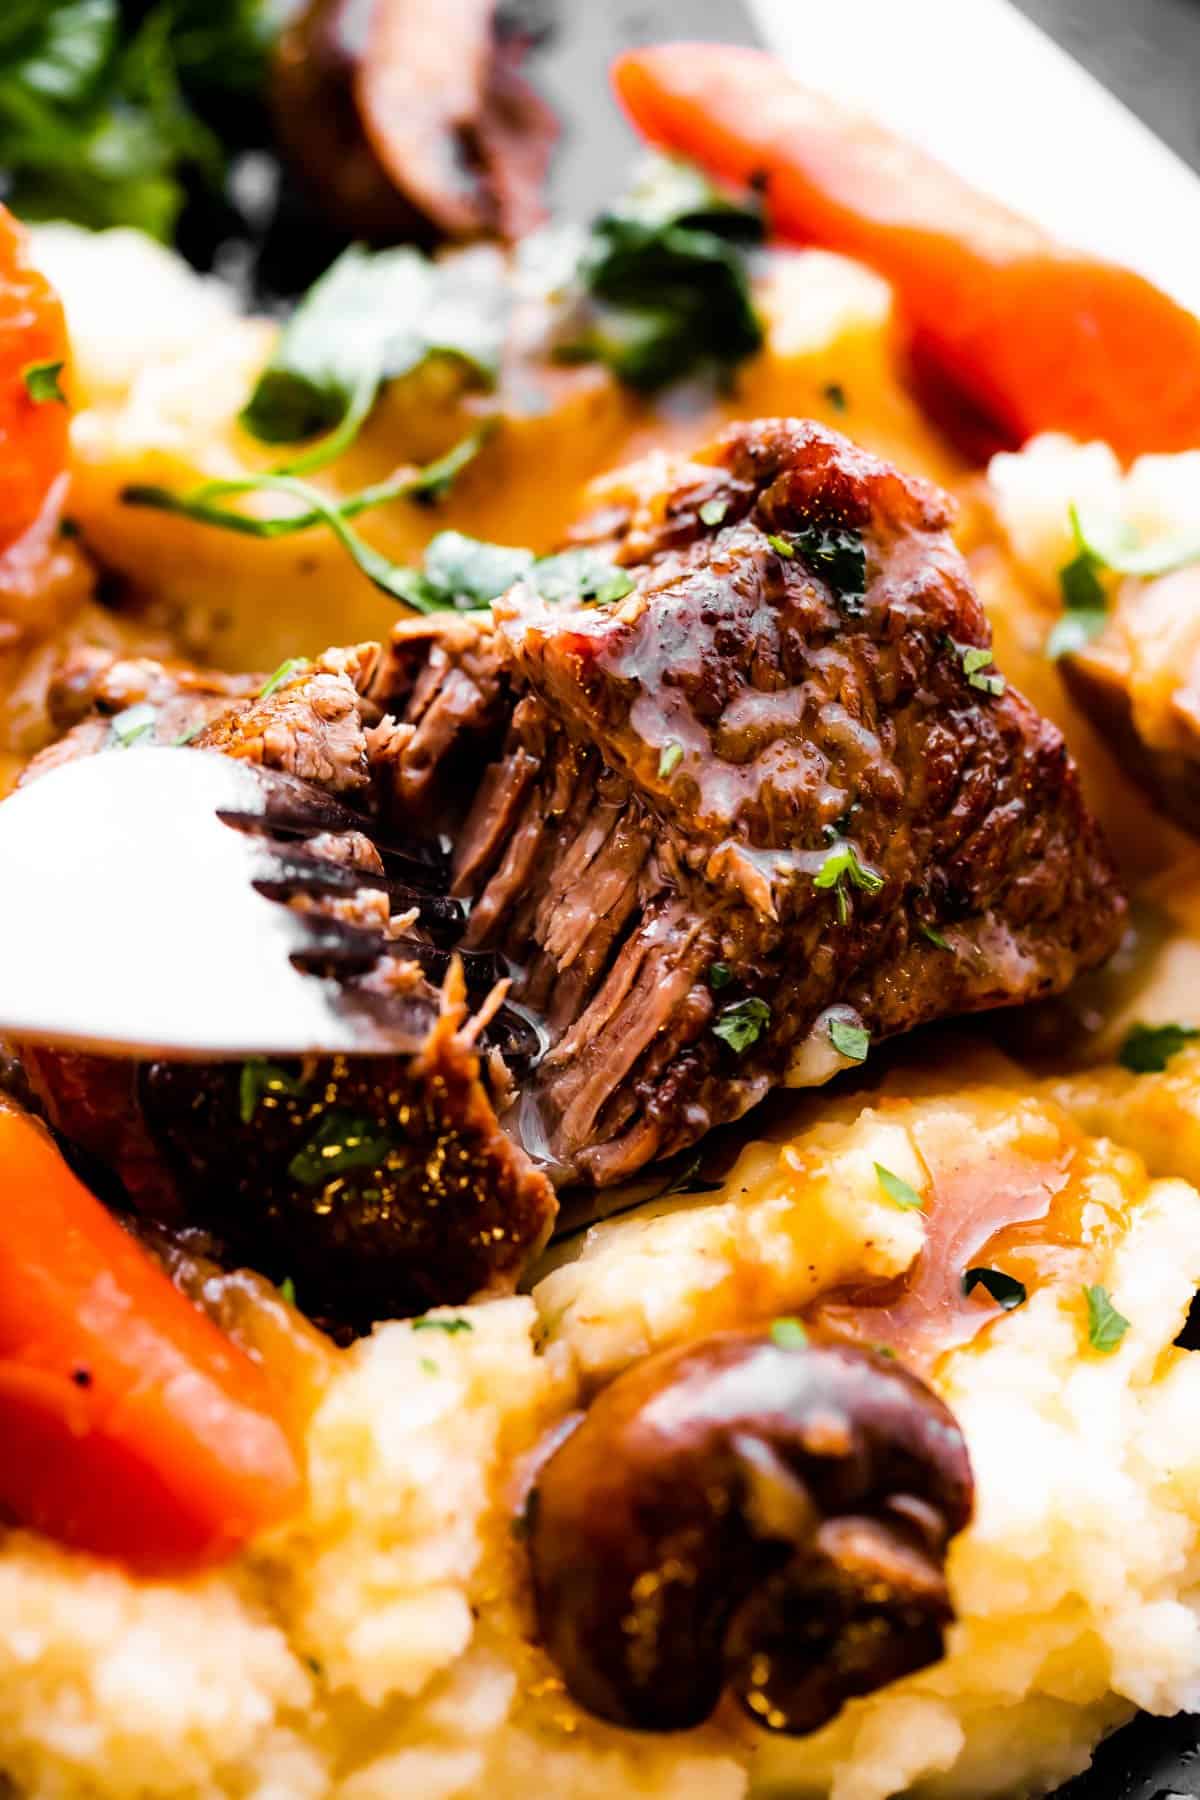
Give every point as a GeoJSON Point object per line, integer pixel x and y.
{"type": "Point", "coordinates": [747, 1515]}
{"type": "Point", "coordinates": [404, 130]}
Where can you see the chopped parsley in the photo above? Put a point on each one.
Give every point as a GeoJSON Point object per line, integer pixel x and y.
{"type": "Point", "coordinates": [789, 1334]}
{"type": "Point", "coordinates": [719, 974]}
{"type": "Point", "coordinates": [742, 1024]}
{"type": "Point", "coordinates": [935, 937]}
{"type": "Point", "coordinates": [840, 866]}
{"type": "Point", "coordinates": [283, 673]}
{"type": "Point", "coordinates": [712, 512]}
{"type": "Point", "coordinates": [976, 665]}
{"type": "Point", "coordinates": [1106, 1326]}
{"type": "Point", "coordinates": [849, 1039]}
{"type": "Point", "coordinates": [287, 1290]}
{"type": "Point", "coordinates": [42, 382]}
{"type": "Point", "coordinates": [838, 557]}
{"type": "Point", "coordinates": [1004, 1289]}
{"type": "Point", "coordinates": [341, 1142]}
{"type": "Point", "coordinates": [1147, 1049]}
{"type": "Point", "coordinates": [661, 286]}
{"type": "Point", "coordinates": [669, 760]}
{"type": "Point", "coordinates": [187, 737]}
{"type": "Point", "coordinates": [835, 393]}
{"type": "Point", "coordinates": [1084, 597]}
{"type": "Point", "coordinates": [132, 725]}
{"type": "Point", "coordinates": [450, 1326]}
{"type": "Point", "coordinates": [780, 546]}
{"type": "Point", "coordinates": [899, 1190]}
{"type": "Point", "coordinates": [429, 1367]}
{"type": "Point", "coordinates": [260, 1080]}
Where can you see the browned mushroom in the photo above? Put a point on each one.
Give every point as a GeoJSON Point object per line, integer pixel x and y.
{"type": "Point", "coordinates": [745, 1514]}
{"type": "Point", "coordinates": [404, 130]}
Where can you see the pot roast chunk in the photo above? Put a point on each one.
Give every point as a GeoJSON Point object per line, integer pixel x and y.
{"type": "Point", "coordinates": [771, 807]}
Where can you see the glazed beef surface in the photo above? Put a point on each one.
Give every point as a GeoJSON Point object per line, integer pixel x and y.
{"type": "Point", "coordinates": [775, 798]}
{"type": "Point", "coordinates": [725, 832]}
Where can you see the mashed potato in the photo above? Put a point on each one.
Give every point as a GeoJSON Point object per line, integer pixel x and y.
{"type": "Point", "coordinates": [381, 1648]}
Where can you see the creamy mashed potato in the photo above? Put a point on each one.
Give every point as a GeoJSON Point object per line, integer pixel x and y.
{"type": "Point", "coordinates": [382, 1646]}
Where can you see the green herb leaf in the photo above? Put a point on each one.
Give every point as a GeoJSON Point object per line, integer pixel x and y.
{"type": "Point", "coordinates": [789, 1334]}
{"type": "Point", "coordinates": [199, 505]}
{"type": "Point", "coordinates": [712, 512]}
{"type": "Point", "coordinates": [42, 383]}
{"type": "Point", "coordinates": [1005, 1290]}
{"type": "Point", "coordinates": [1073, 632]}
{"type": "Point", "coordinates": [450, 1326]}
{"type": "Point", "coordinates": [189, 736]}
{"type": "Point", "coordinates": [839, 557]}
{"type": "Point", "coordinates": [259, 1080]}
{"type": "Point", "coordinates": [287, 1290]}
{"type": "Point", "coordinates": [373, 316]}
{"type": "Point", "coordinates": [465, 571]}
{"type": "Point", "coordinates": [284, 672]}
{"type": "Point", "coordinates": [1083, 595]}
{"type": "Point", "coordinates": [132, 725]}
{"type": "Point", "coordinates": [975, 661]}
{"type": "Point", "coordinates": [742, 1024]}
{"type": "Point", "coordinates": [583, 577]}
{"type": "Point", "coordinates": [669, 760]}
{"type": "Point", "coordinates": [719, 974]}
{"type": "Point", "coordinates": [662, 286]}
{"type": "Point", "coordinates": [428, 1366]}
{"type": "Point", "coordinates": [1114, 546]}
{"type": "Point", "coordinates": [1147, 1049]}
{"type": "Point", "coordinates": [835, 393]}
{"type": "Point", "coordinates": [340, 1142]}
{"type": "Point", "coordinates": [935, 937]}
{"type": "Point", "coordinates": [780, 546]}
{"type": "Point", "coordinates": [897, 1189]}
{"type": "Point", "coordinates": [842, 863]}
{"type": "Point", "coordinates": [849, 1040]}
{"type": "Point", "coordinates": [1106, 1326]}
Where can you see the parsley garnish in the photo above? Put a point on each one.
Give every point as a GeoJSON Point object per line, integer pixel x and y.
{"type": "Point", "coordinates": [132, 725]}
{"type": "Point", "coordinates": [935, 937]}
{"type": "Point", "coordinates": [450, 1326]}
{"type": "Point", "coordinates": [428, 1366]}
{"type": "Point", "coordinates": [260, 1080]}
{"type": "Point", "coordinates": [580, 575]}
{"type": "Point", "coordinates": [789, 1334]}
{"type": "Point", "coordinates": [200, 505]}
{"type": "Point", "coordinates": [899, 1190]}
{"type": "Point", "coordinates": [284, 672]}
{"type": "Point", "coordinates": [780, 546]}
{"type": "Point", "coordinates": [340, 1142]}
{"type": "Point", "coordinates": [662, 285]}
{"type": "Point", "coordinates": [975, 661]}
{"type": "Point", "coordinates": [849, 1040]}
{"type": "Point", "coordinates": [742, 1024]}
{"type": "Point", "coordinates": [842, 865]}
{"type": "Point", "coordinates": [372, 317]}
{"type": "Point", "coordinates": [835, 393]}
{"type": "Point", "coordinates": [839, 557]}
{"type": "Point", "coordinates": [719, 974]}
{"type": "Point", "coordinates": [287, 1290]}
{"type": "Point", "coordinates": [712, 512]}
{"type": "Point", "coordinates": [1005, 1290]}
{"type": "Point", "coordinates": [1147, 1049]}
{"type": "Point", "coordinates": [42, 383]}
{"type": "Point", "coordinates": [669, 760]}
{"type": "Point", "coordinates": [1106, 1326]}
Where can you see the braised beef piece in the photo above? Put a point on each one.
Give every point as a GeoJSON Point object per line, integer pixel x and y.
{"type": "Point", "coordinates": [775, 805]}
{"type": "Point", "coordinates": [726, 832]}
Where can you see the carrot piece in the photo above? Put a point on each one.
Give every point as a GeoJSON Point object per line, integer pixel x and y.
{"type": "Point", "coordinates": [1031, 335]}
{"type": "Point", "coordinates": [33, 433]}
{"type": "Point", "coordinates": [131, 1426]}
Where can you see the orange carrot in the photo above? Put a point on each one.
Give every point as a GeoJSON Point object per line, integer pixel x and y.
{"type": "Point", "coordinates": [33, 433]}
{"type": "Point", "coordinates": [131, 1427]}
{"type": "Point", "coordinates": [1031, 336]}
